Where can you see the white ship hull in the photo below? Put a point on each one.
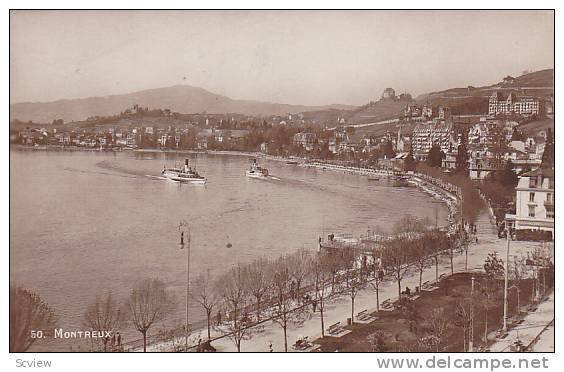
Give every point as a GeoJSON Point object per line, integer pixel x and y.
{"type": "Point", "coordinates": [183, 177]}
{"type": "Point", "coordinates": [187, 180]}
{"type": "Point", "coordinates": [254, 174]}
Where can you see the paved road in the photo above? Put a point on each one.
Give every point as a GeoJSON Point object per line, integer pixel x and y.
{"type": "Point", "coordinates": [533, 324]}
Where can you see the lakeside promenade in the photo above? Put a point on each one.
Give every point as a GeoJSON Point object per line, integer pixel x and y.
{"type": "Point", "coordinates": [338, 308]}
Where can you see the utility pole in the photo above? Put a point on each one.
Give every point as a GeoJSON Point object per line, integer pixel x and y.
{"type": "Point", "coordinates": [471, 341]}
{"type": "Point", "coordinates": [506, 267]}
{"type": "Point", "coordinates": [182, 227]}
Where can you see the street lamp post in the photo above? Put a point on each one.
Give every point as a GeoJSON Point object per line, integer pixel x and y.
{"type": "Point", "coordinates": [506, 269]}
{"type": "Point", "coordinates": [182, 227]}
{"type": "Point", "coordinates": [471, 341]}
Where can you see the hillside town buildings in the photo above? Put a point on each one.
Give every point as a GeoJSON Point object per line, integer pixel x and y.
{"type": "Point", "coordinates": [425, 135]}
{"type": "Point", "coordinates": [513, 104]}
{"type": "Point", "coordinates": [534, 201]}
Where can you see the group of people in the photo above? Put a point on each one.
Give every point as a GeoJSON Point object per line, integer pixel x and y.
{"type": "Point", "coordinates": [115, 342]}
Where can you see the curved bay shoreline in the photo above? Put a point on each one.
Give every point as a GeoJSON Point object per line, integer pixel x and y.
{"type": "Point", "coordinates": [444, 195]}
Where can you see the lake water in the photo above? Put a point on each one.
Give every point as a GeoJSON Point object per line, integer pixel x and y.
{"type": "Point", "coordinates": [82, 223]}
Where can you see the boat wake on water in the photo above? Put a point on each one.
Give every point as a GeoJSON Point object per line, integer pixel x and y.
{"type": "Point", "coordinates": [69, 169]}
{"type": "Point", "coordinates": [153, 177]}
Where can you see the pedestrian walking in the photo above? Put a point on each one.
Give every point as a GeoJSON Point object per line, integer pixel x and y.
{"type": "Point", "coordinates": [118, 340]}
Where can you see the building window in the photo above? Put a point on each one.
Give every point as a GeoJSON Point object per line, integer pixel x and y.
{"type": "Point", "coordinates": [531, 196]}
{"type": "Point", "coordinates": [532, 182]}
{"type": "Point", "coordinates": [531, 211]}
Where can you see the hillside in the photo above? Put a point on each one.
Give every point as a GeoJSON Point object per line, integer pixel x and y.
{"type": "Point", "coordinates": [187, 99]}
{"type": "Point", "coordinates": [377, 111]}
{"type": "Point", "coordinates": [471, 100]}
{"type": "Point", "coordinates": [179, 98]}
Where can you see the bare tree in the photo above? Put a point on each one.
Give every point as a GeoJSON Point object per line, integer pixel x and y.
{"type": "Point", "coordinates": [420, 255]}
{"type": "Point", "coordinates": [322, 275]}
{"type": "Point", "coordinates": [518, 273]}
{"type": "Point", "coordinates": [147, 304]}
{"type": "Point", "coordinates": [463, 314]}
{"type": "Point", "coordinates": [333, 264]}
{"type": "Point", "coordinates": [287, 311]}
{"type": "Point", "coordinates": [410, 224]}
{"type": "Point", "coordinates": [451, 248]}
{"type": "Point", "coordinates": [257, 281]}
{"type": "Point", "coordinates": [28, 314]}
{"type": "Point", "coordinates": [299, 265]}
{"type": "Point", "coordinates": [490, 286]}
{"type": "Point", "coordinates": [103, 315]}
{"type": "Point", "coordinates": [354, 277]}
{"type": "Point", "coordinates": [434, 241]}
{"type": "Point", "coordinates": [438, 323]}
{"type": "Point", "coordinates": [206, 295]}
{"type": "Point", "coordinates": [235, 296]}
{"type": "Point", "coordinates": [377, 274]}
{"type": "Point", "coordinates": [396, 258]}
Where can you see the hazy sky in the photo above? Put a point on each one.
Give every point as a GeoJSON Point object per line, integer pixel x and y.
{"type": "Point", "coordinates": [298, 57]}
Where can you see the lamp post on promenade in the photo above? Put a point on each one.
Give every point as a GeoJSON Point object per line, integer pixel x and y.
{"type": "Point", "coordinates": [506, 269]}
{"type": "Point", "coordinates": [183, 227]}
{"type": "Point", "coordinates": [471, 341]}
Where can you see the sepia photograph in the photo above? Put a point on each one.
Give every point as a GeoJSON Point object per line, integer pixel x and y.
{"type": "Point", "coordinates": [272, 181]}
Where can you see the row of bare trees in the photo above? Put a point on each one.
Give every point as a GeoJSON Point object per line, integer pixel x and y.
{"type": "Point", "coordinates": [279, 290]}
{"type": "Point", "coordinates": [31, 318]}
{"type": "Point", "coordinates": [282, 290]}
{"type": "Point", "coordinates": [147, 304]}
{"type": "Point", "coordinates": [248, 293]}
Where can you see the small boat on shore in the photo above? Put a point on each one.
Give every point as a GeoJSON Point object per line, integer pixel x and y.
{"type": "Point", "coordinates": [373, 179]}
{"type": "Point", "coordinates": [184, 174]}
{"type": "Point", "coordinates": [255, 171]}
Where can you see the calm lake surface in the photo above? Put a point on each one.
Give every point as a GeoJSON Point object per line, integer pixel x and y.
{"type": "Point", "coordinates": [82, 223]}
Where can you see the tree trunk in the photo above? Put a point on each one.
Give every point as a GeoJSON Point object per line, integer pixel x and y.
{"type": "Point", "coordinates": [322, 321]}
{"type": "Point", "coordinates": [144, 341]}
{"type": "Point", "coordinates": [466, 259]}
{"type": "Point", "coordinates": [105, 341]}
{"type": "Point", "coordinates": [486, 326]}
{"type": "Point", "coordinates": [518, 302]}
{"type": "Point", "coordinates": [420, 276]}
{"type": "Point", "coordinates": [451, 263]}
{"type": "Point", "coordinates": [285, 337]}
{"type": "Point", "coordinates": [258, 309]}
{"type": "Point", "coordinates": [464, 335]}
{"type": "Point", "coordinates": [238, 346]}
{"type": "Point", "coordinates": [352, 311]}
{"type": "Point", "coordinates": [209, 324]}
{"type": "Point", "coordinates": [399, 287]}
{"type": "Point", "coordinates": [377, 295]}
{"type": "Point", "coordinates": [437, 268]}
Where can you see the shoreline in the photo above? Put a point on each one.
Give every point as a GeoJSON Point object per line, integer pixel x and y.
{"type": "Point", "coordinates": [450, 199]}
{"type": "Point", "coordinates": [439, 192]}
{"type": "Point", "coordinates": [446, 194]}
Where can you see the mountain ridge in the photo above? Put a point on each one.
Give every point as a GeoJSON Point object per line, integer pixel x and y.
{"type": "Point", "coordinates": [178, 98]}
